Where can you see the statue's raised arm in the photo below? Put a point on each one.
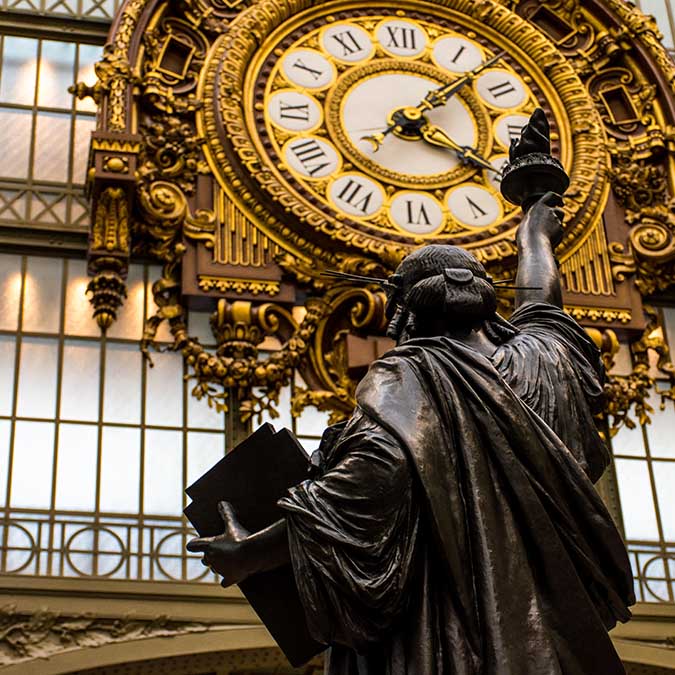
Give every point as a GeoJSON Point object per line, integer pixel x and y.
{"type": "Point", "coordinates": [536, 181]}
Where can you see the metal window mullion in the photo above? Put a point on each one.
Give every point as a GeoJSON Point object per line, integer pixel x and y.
{"type": "Point", "coordinates": [57, 412]}
{"type": "Point", "coordinates": [33, 139]}
{"type": "Point", "coordinates": [184, 472]}
{"type": "Point", "coordinates": [12, 428]}
{"type": "Point", "coordinates": [99, 454]}
{"type": "Point", "coordinates": [141, 495]}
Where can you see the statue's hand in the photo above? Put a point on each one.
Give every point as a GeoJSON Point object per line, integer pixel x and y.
{"type": "Point", "coordinates": [544, 218]}
{"type": "Point", "coordinates": [227, 553]}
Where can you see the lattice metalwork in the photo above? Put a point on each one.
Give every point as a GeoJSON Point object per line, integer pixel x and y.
{"type": "Point", "coordinates": [90, 10]}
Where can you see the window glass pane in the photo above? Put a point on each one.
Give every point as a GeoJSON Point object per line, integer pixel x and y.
{"type": "Point", "coordinates": [80, 380]}
{"type": "Point", "coordinates": [37, 378]}
{"type": "Point", "coordinates": [5, 428]}
{"type": "Point", "coordinates": [669, 323]}
{"type": "Point", "coordinates": [657, 8]}
{"type": "Point", "coordinates": [15, 137]}
{"type": "Point", "coordinates": [629, 441]}
{"type": "Point", "coordinates": [637, 501]}
{"type": "Point", "coordinates": [120, 470]}
{"type": "Point", "coordinates": [42, 295]}
{"type": "Point", "coordinates": [57, 73]}
{"type": "Point", "coordinates": [204, 450]}
{"type": "Point", "coordinates": [199, 327]}
{"type": "Point", "coordinates": [623, 364]}
{"type": "Point", "coordinates": [163, 473]}
{"type": "Point", "coordinates": [122, 387]}
{"type": "Point", "coordinates": [7, 355]}
{"type": "Point", "coordinates": [664, 477]}
{"type": "Point", "coordinates": [164, 393]}
{"type": "Point", "coordinates": [311, 422]}
{"type": "Point", "coordinates": [662, 427]}
{"type": "Point", "coordinates": [10, 291]}
{"type": "Point", "coordinates": [283, 408]}
{"type": "Point", "coordinates": [19, 70]}
{"type": "Point", "coordinates": [129, 322]}
{"type": "Point", "coordinates": [52, 147]}
{"type": "Point", "coordinates": [88, 55]}
{"type": "Point", "coordinates": [79, 319]}
{"type": "Point", "coordinates": [202, 416]}
{"type": "Point", "coordinates": [76, 467]}
{"type": "Point", "coordinates": [83, 128]}
{"type": "Point", "coordinates": [33, 464]}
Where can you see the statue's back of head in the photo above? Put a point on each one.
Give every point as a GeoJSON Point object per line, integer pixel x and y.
{"type": "Point", "coordinates": [438, 286]}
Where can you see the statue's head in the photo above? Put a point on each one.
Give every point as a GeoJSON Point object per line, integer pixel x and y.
{"type": "Point", "coordinates": [438, 286]}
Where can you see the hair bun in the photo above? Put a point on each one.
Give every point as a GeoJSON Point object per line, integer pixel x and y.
{"type": "Point", "coordinates": [458, 275]}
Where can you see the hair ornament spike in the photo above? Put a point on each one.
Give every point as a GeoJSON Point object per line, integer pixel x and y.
{"type": "Point", "coordinates": [458, 275]}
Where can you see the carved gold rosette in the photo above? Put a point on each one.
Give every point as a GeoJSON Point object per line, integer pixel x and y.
{"type": "Point", "coordinates": [183, 170]}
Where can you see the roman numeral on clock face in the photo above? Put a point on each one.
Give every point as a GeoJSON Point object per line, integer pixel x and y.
{"type": "Point", "coordinates": [416, 213]}
{"type": "Point", "coordinates": [294, 112]}
{"type": "Point", "coordinates": [347, 40]}
{"type": "Point", "coordinates": [356, 194]}
{"type": "Point", "coordinates": [501, 89]}
{"type": "Point", "coordinates": [514, 131]}
{"type": "Point", "coordinates": [311, 155]}
{"type": "Point", "coordinates": [476, 210]}
{"type": "Point", "coordinates": [458, 54]}
{"type": "Point", "coordinates": [401, 37]}
{"type": "Point", "coordinates": [315, 73]}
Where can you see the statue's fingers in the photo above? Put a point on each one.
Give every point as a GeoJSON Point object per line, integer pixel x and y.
{"type": "Point", "coordinates": [199, 544]}
{"type": "Point", "coordinates": [552, 199]}
{"type": "Point", "coordinates": [226, 511]}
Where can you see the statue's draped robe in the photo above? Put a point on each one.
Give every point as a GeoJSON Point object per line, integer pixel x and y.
{"type": "Point", "coordinates": [455, 528]}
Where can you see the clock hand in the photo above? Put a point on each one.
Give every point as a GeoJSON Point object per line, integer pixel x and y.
{"type": "Point", "coordinates": [439, 97]}
{"type": "Point", "coordinates": [434, 99]}
{"type": "Point", "coordinates": [437, 136]}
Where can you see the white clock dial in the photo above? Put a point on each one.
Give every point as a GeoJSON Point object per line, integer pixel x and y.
{"type": "Point", "coordinates": [401, 38]}
{"type": "Point", "coordinates": [356, 195]}
{"type": "Point", "coordinates": [501, 89]}
{"type": "Point", "coordinates": [347, 42]}
{"type": "Point", "coordinates": [366, 107]}
{"type": "Point", "coordinates": [308, 68]}
{"type": "Point", "coordinates": [311, 157]}
{"type": "Point", "coordinates": [456, 54]}
{"type": "Point", "coordinates": [509, 128]}
{"type": "Point", "coordinates": [473, 206]}
{"type": "Point", "coordinates": [416, 212]}
{"type": "Point", "coordinates": [294, 111]}
{"type": "Point", "coordinates": [499, 162]}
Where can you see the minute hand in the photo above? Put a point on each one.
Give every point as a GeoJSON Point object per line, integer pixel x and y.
{"type": "Point", "coordinates": [436, 136]}
{"type": "Point", "coordinates": [439, 97]}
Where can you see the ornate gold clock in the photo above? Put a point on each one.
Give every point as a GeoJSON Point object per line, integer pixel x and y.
{"type": "Point", "coordinates": [383, 129]}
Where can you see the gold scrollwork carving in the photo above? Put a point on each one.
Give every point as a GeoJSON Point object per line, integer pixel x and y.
{"type": "Point", "coordinates": [225, 284]}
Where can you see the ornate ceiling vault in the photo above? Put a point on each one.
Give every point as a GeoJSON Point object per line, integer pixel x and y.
{"type": "Point", "coordinates": [230, 147]}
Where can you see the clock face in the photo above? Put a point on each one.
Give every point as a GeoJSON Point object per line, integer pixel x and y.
{"type": "Point", "coordinates": [384, 128]}
{"type": "Point", "coordinates": [326, 91]}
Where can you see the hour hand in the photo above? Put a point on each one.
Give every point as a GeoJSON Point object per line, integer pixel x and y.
{"type": "Point", "coordinates": [437, 136]}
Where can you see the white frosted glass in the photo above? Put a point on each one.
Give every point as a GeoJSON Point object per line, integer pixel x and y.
{"type": "Point", "coordinates": [80, 380]}
{"type": "Point", "coordinates": [42, 294]}
{"type": "Point", "coordinates": [76, 467]}
{"type": "Point", "coordinates": [200, 414]}
{"type": "Point", "coordinates": [52, 147]}
{"type": "Point", "coordinates": [33, 465]}
{"type": "Point", "coordinates": [311, 422]}
{"type": "Point", "coordinates": [5, 428]}
{"type": "Point", "coordinates": [79, 312]}
{"type": "Point", "coordinates": [19, 70]}
{"type": "Point", "coordinates": [84, 125]}
{"type": "Point", "coordinates": [129, 323]}
{"type": "Point", "coordinates": [163, 473]}
{"type": "Point", "coordinates": [669, 323]}
{"type": "Point", "coordinates": [204, 450]}
{"type": "Point", "coordinates": [664, 477]}
{"type": "Point", "coordinates": [88, 56]}
{"type": "Point", "coordinates": [15, 135]}
{"type": "Point", "coordinates": [7, 347]}
{"type": "Point", "coordinates": [623, 364]}
{"type": "Point", "coordinates": [661, 429]}
{"type": "Point", "coordinates": [284, 418]}
{"type": "Point", "coordinates": [164, 392]}
{"type": "Point", "coordinates": [657, 8]}
{"type": "Point", "coordinates": [122, 387]}
{"type": "Point", "coordinates": [10, 291]}
{"type": "Point", "coordinates": [199, 327]}
{"type": "Point", "coordinates": [637, 501]}
{"type": "Point", "coordinates": [57, 70]}
{"type": "Point", "coordinates": [163, 334]}
{"type": "Point", "coordinates": [37, 378]}
{"type": "Point", "coordinates": [629, 441]}
{"type": "Point", "coordinates": [120, 470]}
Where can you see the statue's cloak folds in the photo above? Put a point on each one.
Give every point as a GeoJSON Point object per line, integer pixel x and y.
{"type": "Point", "coordinates": [453, 531]}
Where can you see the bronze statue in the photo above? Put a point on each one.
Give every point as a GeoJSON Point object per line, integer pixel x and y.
{"type": "Point", "coordinates": [454, 528]}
